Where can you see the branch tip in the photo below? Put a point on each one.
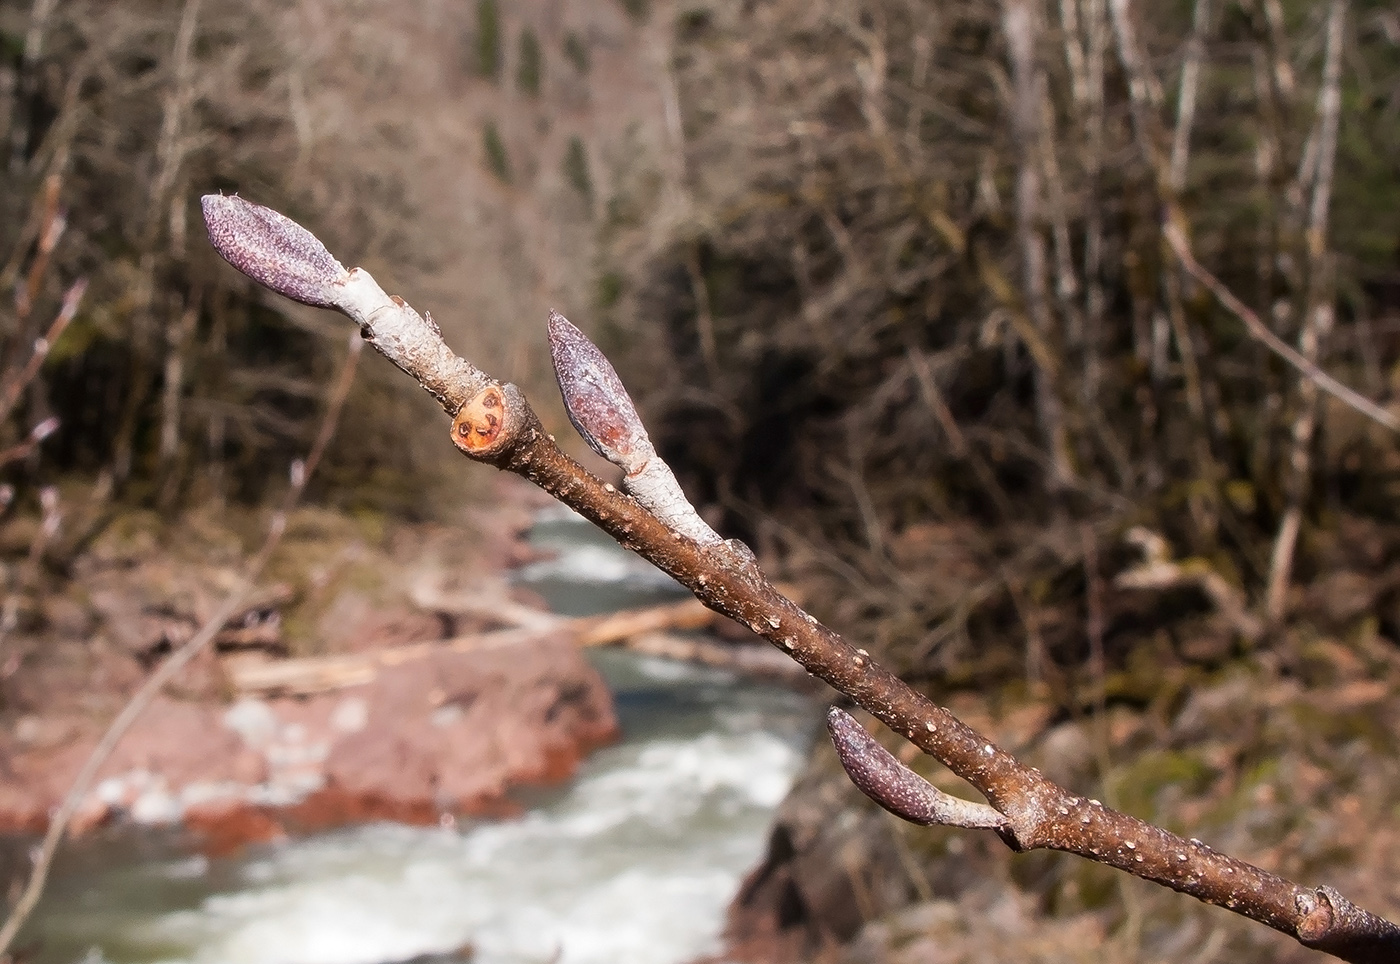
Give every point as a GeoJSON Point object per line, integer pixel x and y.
{"type": "Point", "coordinates": [1332, 923]}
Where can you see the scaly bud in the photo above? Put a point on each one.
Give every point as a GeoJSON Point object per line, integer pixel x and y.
{"type": "Point", "coordinates": [273, 250]}
{"type": "Point", "coordinates": [877, 774]}
{"type": "Point", "coordinates": [598, 405]}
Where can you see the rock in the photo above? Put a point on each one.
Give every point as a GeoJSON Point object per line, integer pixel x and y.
{"type": "Point", "coordinates": [356, 623]}
{"type": "Point", "coordinates": [224, 828]}
{"type": "Point", "coordinates": [448, 734]}
{"type": "Point", "coordinates": [990, 923]}
{"type": "Point", "coordinates": [826, 873]}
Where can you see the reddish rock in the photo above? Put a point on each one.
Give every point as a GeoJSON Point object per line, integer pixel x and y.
{"type": "Point", "coordinates": [458, 729]}
{"type": "Point", "coordinates": [825, 873]}
{"type": "Point", "coordinates": [224, 828]}
{"type": "Point", "coordinates": [446, 734]}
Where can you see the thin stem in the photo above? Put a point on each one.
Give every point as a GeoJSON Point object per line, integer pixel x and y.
{"type": "Point", "coordinates": [1318, 316]}
{"type": "Point", "coordinates": [10, 393]}
{"type": "Point", "coordinates": [1020, 24]}
{"type": "Point", "coordinates": [1186, 99]}
{"type": "Point", "coordinates": [1256, 327]}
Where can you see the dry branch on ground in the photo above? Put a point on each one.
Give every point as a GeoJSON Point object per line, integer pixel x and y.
{"type": "Point", "coordinates": [653, 630]}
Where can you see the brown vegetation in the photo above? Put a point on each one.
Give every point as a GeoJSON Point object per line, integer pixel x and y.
{"type": "Point", "coordinates": [940, 271]}
{"type": "Point", "coordinates": [183, 385]}
{"type": "Point", "coordinates": [1005, 324]}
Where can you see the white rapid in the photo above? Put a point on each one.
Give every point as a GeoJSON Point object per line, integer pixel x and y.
{"type": "Point", "coordinates": [633, 863]}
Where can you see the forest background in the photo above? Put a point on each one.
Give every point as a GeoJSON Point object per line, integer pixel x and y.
{"type": "Point", "coordinates": [916, 298]}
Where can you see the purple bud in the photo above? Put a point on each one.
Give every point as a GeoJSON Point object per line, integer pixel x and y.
{"type": "Point", "coordinates": [891, 784]}
{"type": "Point", "coordinates": [273, 250]}
{"type": "Point", "coordinates": [44, 429]}
{"type": "Point", "coordinates": [875, 770]}
{"type": "Point", "coordinates": [598, 405]}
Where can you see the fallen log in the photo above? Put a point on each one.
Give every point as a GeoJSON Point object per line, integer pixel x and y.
{"type": "Point", "coordinates": [257, 675]}
{"type": "Point", "coordinates": [651, 630]}
{"type": "Point", "coordinates": [624, 624]}
{"type": "Point", "coordinates": [751, 659]}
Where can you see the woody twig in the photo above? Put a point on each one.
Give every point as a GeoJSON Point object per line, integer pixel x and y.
{"type": "Point", "coordinates": [493, 423]}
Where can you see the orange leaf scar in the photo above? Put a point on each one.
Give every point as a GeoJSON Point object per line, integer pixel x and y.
{"type": "Point", "coordinates": [479, 421]}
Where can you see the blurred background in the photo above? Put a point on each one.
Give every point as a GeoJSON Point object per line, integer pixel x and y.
{"type": "Point", "coordinates": [905, 293]}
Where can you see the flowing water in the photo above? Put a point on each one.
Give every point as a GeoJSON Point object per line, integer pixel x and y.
{"type": "Point", "coordinates": [633, 863]}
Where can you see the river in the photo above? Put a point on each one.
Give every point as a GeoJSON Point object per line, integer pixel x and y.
{"type": "Point", "coordinates": [632, 863]}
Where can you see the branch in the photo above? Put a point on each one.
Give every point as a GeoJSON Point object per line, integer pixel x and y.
{"type": "Point", "coordinates": [10, 393]}
{"type": "Point", "coordinates": [58, 824]}
{"type": "Point", "coordinates": [494, 424]}
{"type": "Point", "coordinates": [1317, 318]}
{"type": "Point", "coordinates": [51, 519]}
{"type": "Point", "coordinates": [1256, 327]}
{"type": "Point", "coordinates": [1020, 25]}
{"type": "Point", "coordinates": [1186, 97]}
{"type": "Point", "coordinates": [37, 434]}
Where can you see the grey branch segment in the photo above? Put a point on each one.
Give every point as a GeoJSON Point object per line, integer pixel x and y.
{"type": "Point", "coordinates": [283, 256]}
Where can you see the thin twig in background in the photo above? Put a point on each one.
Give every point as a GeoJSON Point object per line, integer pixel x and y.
{"type": "Point", "coordinates": [1186, 99]}
{"type": "Point", "coordinates": [48, 223]}
{"type": "Point", "coordinates": [1021, 24]}
{"type": "Point", "coordinates": [1317, 315]}
{"type": "Point", "coordinates": [10, 393]}
{"type": "Point", "coordinates": [1146, 96]}
{"type": "Point", "coordinates": [39, 15]}
{"type": "Point", "coordinates": [43, 209]}
{"type": "Point", "coordinates": [178, 337]}
{"type": "Point", "coordinates": [957, 441]}
{"type": "Point", "coordinates": [49, 523]}
{"type": "Point", "coordinates": [1256, 327]}
{"type": "Point", "coordinates": [1039, 666]}
{"type": "Point", "coordinates": [494, 424]}
{"type": "Point", "coordinates": [704, 316]}
{"type": "Point", "coordinates": [171, 149]}
{"type": "Point", "coordinates": [54, 224]}
{"type": "Point", "coordinates": [22, 450]}
{"type": "Point", "coordinates": [1174, 184]}
{"type": "Point", "coordinates": [1150, 325]}
{"type": "Point", "coordinates": [1084, 53]}
{"type": "Point", "coordinates": [1144, 92]}
{"type": "Point", "coordinates": [1094, 625]}
{"type": "Point", "coordinates": [301, 473]}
